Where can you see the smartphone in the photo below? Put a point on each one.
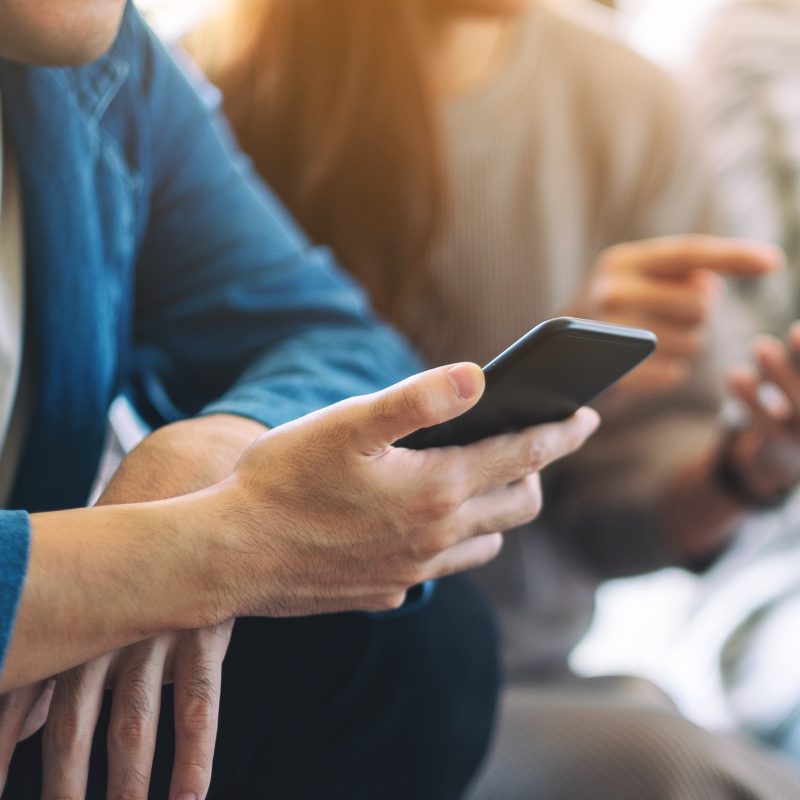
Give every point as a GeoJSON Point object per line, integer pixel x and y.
{"type": "Point", "coordinates": [546, 376]}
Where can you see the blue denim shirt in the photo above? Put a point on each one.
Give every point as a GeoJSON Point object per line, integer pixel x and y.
{"type": "Point", "coordinates": [158, 265]}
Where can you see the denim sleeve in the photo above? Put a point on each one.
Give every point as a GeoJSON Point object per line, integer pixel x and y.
{"type": "Point", "coordinates": [14, 546]}
{"type": "Point", "coordinates": [236, 311]}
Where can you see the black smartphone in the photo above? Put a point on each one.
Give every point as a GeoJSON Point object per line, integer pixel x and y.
{"type": "Point", "coordinates": [546, 376]}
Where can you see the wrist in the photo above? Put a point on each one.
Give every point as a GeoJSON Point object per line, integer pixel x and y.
{"type": "Point", "coordinates": [198, 529]}
{"type": "Point", "coordinates": [736, 473]}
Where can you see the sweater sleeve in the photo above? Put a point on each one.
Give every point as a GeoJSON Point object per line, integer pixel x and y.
{"type": "Point", "coordinates": [14, 547]}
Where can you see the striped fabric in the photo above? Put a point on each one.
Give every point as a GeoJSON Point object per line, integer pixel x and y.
{"type": "Point", "coordinates": [612, 738]}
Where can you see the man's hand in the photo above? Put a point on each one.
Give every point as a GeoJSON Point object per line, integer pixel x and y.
{"type": "Point", "coordinates": [319, 515]}
{"type": "Point", "coordinates": [767, 454]}
{"type": "Point", "coordinates": [190, 659]}
{"type": "Point", "coordinates": [173, 461]}
{"type": "Point", "coordinates": [323, 514]}
{"type": "Point", "coordinates": [669, 286]}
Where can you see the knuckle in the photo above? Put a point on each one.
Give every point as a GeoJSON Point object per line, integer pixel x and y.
{"type": "Point", "coordinates": [420, 546]}
{"type": "Point", "coordinates": [438, 540]}
{"type": "Point", "coordinates": [129, 731]}
{"type": "Point", "coordinates": [391, 602]}
{"type": "Point", "coordinates": [64, 731]}
{"type": "Point", "coordinates": [341, 431]}
{"type": "Point", "coordinates": [131, 792]}
{"type": "Point", "coordinates": [418, 405]}
{"type": "Point", "coordinates": [409, 576]}
{"type": "Point", "coordinates": [195, 766]}
{"type": "Point", "coordinates": [197, 718]}
{"type": "Point", "coordinates": [437, 503]}
{"type": "Point", "coordinates": [537, 454]}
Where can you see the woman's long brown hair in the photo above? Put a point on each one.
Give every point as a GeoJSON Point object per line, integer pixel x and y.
{"type": "Point", "coordinates": [333, 101]}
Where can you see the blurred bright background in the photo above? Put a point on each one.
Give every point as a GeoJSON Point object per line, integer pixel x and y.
{"type": "Point", "coordinates": [663, 29]}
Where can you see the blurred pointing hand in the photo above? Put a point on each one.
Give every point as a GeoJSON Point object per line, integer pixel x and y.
{"type": "Point", "coordinates": [669, 285]}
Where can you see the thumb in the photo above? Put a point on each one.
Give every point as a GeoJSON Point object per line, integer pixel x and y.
{"type": "Point", "coordinates": [420, 401]}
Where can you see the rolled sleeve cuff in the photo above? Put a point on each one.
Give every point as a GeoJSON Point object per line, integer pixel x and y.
{"type": "Point", "coordinates": [15, 536]}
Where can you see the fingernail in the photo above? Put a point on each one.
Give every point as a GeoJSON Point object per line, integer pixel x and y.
{"type": "Point", "coordinates": [592, 419]}
{"type": "Point", "coordinates": [466, 380]}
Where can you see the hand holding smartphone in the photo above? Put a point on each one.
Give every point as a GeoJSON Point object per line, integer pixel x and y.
{"type": "Point", "coordinates": [546, 376]}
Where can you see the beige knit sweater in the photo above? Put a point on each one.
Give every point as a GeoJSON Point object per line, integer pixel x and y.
{"type": "Point", "coordinates": [577, 144]}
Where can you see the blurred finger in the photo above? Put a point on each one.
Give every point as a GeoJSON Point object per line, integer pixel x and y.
{"type": "Point", "coordinates": [793, 340]}
{"type": "Point", "coordinates": [746, 385]}
{"type": "Point", "coordinates": [679, 255]}
{"type": "Point", "coordinates": [675, 339]}
{"type": "Point", "coordinates": [777, 366]}
{"type": "Point", "coordinates": [688, 302]}
{"type": "Point", "coordinates": [133, 726]}
{"type": "Point", "coordinates": [198, 682]}
{"type": "Point", "coordinates": [658, 375]}
{"type": "Point", "coordinates": [679, 342]}
{"type": "Point", "coordinates": [68, 734]}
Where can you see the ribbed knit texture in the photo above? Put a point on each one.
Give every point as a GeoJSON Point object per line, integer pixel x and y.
{"type": "Point", "coordinates": [576, 144]}
{"type": "Point", "coordinates": [619, 739]}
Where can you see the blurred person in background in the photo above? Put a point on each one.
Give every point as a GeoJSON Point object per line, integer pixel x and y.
{"type": "Point", "coordinates": [137, 255]}
{"type": "Point", "coordinates": [481, 165]}
{"type": "Point", "coordinates": [746, 75]}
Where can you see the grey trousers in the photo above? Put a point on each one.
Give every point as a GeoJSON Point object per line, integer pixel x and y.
{"type": "Point", "coordinates": [618, 739]}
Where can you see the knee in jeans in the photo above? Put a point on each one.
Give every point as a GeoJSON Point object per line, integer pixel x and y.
{"type": "Point", "coordinates": [451, 664]}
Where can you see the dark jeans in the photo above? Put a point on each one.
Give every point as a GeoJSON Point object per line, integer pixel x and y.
{"type": "Point", "coordinates": [340, 706]}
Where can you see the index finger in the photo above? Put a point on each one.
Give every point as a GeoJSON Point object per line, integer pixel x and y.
{"type": "Point", "coordinates": [679, 256]}
{"type": "Point", "coordinates": [502, 460]}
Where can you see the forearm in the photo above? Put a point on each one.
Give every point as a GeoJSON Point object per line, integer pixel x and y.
{"type": "Point", "coordinates": [102, 578]}
{"type": "Point", "coordinates": [699, 516]}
